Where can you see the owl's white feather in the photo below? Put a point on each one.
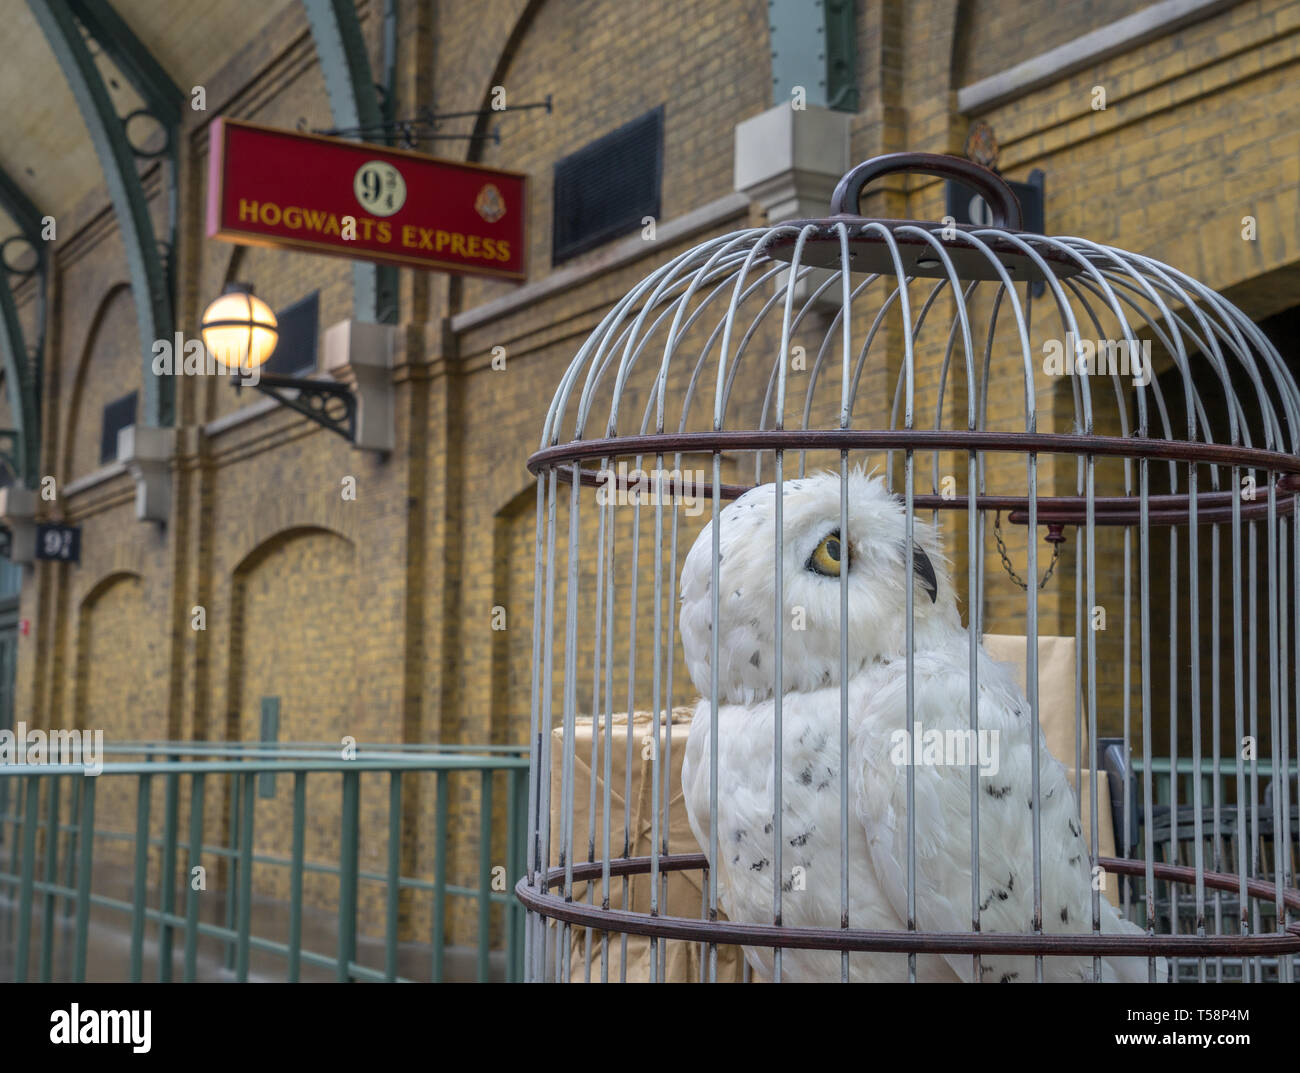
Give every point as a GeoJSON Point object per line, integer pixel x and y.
{"type": "Point", "coordinates": [880, 566]}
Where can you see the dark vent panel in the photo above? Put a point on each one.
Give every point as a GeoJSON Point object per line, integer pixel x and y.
{"type": "Point", "coordinates": [607, 188]}
{"type": "Point", "coordinates": [118, 414]}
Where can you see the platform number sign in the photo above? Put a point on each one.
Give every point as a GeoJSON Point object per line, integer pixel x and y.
{"type": "Point", "coordinates": [379, 187]}
{"type": "Point", "coordinates": [61, 543]}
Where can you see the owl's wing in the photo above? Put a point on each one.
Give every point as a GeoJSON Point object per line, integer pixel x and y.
{"type": "Point", "coordinates": [942, 804]}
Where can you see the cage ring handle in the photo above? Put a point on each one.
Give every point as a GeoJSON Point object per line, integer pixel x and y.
{"type": "Point", "coordinates": [991, 187]}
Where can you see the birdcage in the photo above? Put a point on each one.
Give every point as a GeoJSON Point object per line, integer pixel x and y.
{"type": "Point", "coordinates": [1055, 488]}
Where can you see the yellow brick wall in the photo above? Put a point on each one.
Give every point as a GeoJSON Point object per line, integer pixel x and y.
{"type": "Point", "coordinates": [992, 36]}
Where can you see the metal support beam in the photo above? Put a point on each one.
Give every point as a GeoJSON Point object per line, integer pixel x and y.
{"type": "Point", "coordinates": [813, 47]}
{"type": "Point", "coordinates": [26, 215]}
{"type": "Point", "coordinates": [162, 98]}
{"type": "Point", "coordinates": [10, 450]}
{"type": "Point", "coordinates": [21, 452]}
{"type": "Point", "coordinates": [150, 276]}
{"type": "Point", "coordinates": [161, 95]}
{"type": "Point", "coordinates": [23, 370]}
{"type": "Point", "coordinates": [341, 49]}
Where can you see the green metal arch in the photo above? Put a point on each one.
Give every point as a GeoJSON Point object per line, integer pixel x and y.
{"type": "Point", "coordinates": [23, 375]}
{"type": "Point", "coordinates": [150, 276]}
{"type": "Point", "coordinates": [341, 50]}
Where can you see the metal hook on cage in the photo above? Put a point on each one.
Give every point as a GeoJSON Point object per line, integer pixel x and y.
{"type": "Point", "coordinates": [1055, 537]}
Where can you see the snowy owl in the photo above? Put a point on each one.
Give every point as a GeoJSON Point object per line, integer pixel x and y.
{"type": "Point", "coordinates": [879, 565]}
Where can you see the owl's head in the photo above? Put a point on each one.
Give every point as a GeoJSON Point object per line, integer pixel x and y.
{"type": "Point", "coordinates": [874, 555]}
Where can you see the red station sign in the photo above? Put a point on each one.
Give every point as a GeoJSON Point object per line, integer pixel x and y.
{"type": "Point", "coordinates": [298, 191]}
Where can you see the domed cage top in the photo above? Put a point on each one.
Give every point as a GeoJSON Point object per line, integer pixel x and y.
{"type": "Point", "coordinates": [1093, 461]}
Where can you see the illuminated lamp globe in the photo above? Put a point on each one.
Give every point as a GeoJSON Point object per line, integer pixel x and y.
{"type": "Point", "coordinates": [239, 329]}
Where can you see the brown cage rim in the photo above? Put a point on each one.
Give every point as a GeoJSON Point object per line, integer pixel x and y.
{"type": "Point", "coordinates": [734, 933]}
{"type": "Point", "coordinates": [1162, 509]}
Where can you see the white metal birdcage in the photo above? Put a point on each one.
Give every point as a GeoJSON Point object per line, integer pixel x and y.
{"type": "Point", "coordinates": [1076, 396]}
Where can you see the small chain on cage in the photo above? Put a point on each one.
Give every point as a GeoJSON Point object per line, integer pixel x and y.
{"type": "Point", "coordinates": [1055, 536]}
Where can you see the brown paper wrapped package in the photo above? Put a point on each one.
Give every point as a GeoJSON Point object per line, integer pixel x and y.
{"type": "Point", "coordinates": [1056, 661]}
{"type": "Point", "coordinates": [1056, 710]}
{"type": "Point", "coordinates": [684, 894]}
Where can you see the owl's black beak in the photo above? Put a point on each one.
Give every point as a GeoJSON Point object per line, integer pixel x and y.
{"type": "Point", "coordinates": [924, 569]}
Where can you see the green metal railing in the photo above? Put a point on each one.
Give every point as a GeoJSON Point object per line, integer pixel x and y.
{"type": "Point", "coordinates": [49, 858]}
{"type": "Point", "coordinates": [1243, 831]}
{"type": "Point", "coordinates": [1260, 769]}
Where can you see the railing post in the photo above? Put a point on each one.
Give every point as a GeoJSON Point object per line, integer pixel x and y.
{"type": "Point", "coordinates": [192, 895]}
{"type": "Point", "coordinates": [440, 875]}
{"type": "Point", "coordinates": [15, 842]}
{"type": "Point", "coordinates": [295, 874]}
{"type": "Point", "coordinates": [85, 863]}
{"type": "Point", "coordinates": [30, 820]}
{"type": "Point", "coordinates": [348, 864]}
{"type": "Point", "coordinates": [484, 874]}
{"type": "Point", "coordinates": [247, 786]}
{"type": "Point", "coordinates": [141, 876]}
{"type": "Point", "coordinates": [51, 875]}
{"type": "Point", "coordinates": [70, 844]}
{"type": "Point", "coordinates": [4, 806]}
{"type": "Point", "coordinates": [393, 889]}
{"type": "Point", "coordinates": [232, 867]}
{"type": "Point", "coordinates": [514, 861]}
{"type": "Point", "coordinates": [16, 846]}
{"type": "Point", "coordinates": [168, 879]}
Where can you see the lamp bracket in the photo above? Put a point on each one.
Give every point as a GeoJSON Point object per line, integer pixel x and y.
{"type": "Point", "coordinates": [330, 405]}
{"type": "Point", "coordinates": [426, 126]}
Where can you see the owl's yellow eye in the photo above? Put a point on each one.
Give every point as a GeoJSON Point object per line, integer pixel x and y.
{"type": "Point", "coordinates": [828, 555]}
